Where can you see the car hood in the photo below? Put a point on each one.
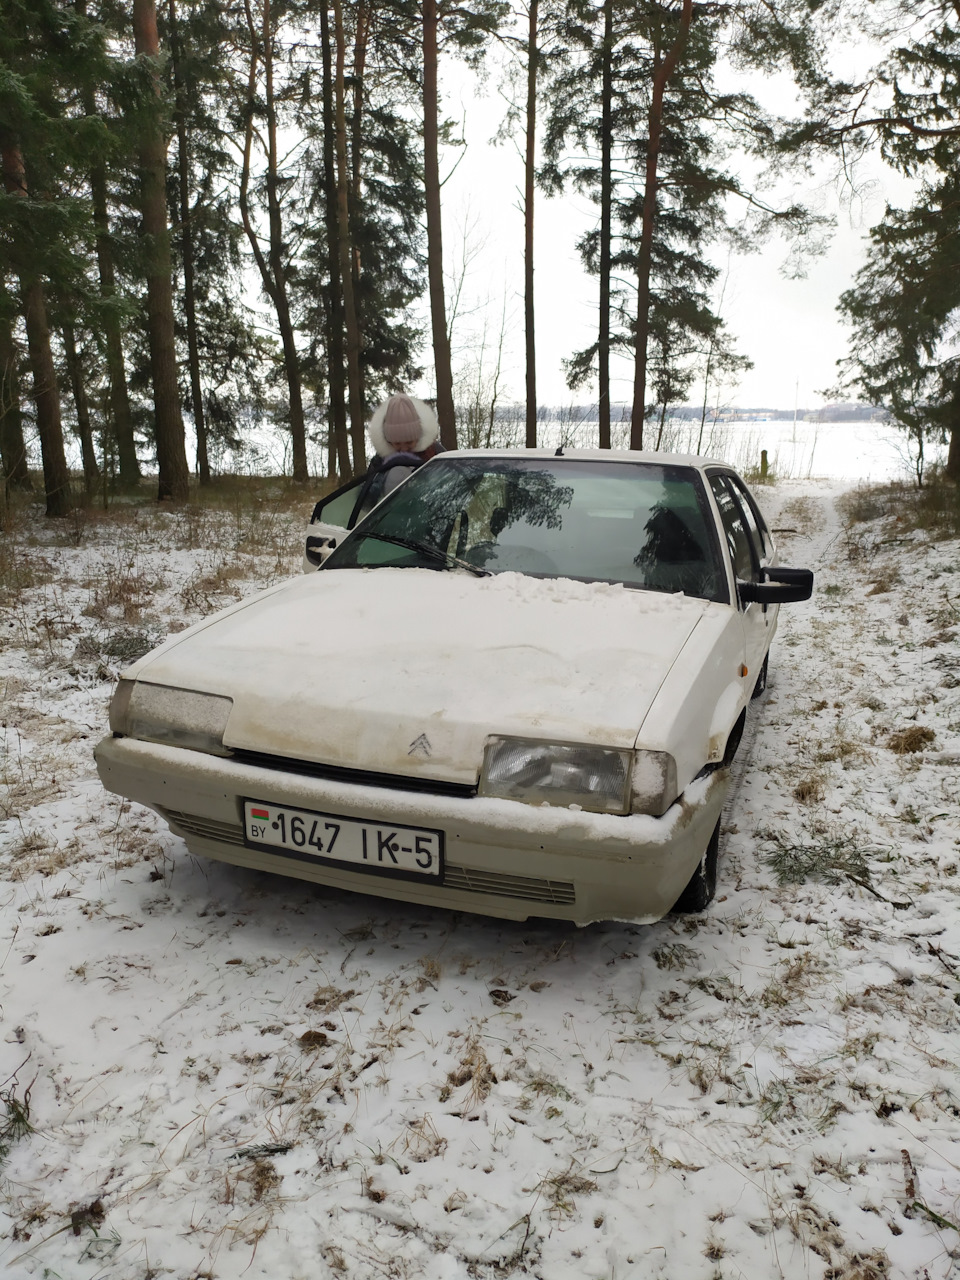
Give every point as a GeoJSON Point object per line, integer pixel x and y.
{"type": "Point", "coordinates": [409, 671]}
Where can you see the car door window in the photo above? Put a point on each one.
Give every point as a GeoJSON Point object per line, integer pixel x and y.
{"type": "Point", "coordinates": [750, 520]}
{"type": "Point", "coordinates": [746, 564]}
{"type": "Point", "coordinates": [337, 508]}
{"type": "Point", "coordinates": [755, 520]}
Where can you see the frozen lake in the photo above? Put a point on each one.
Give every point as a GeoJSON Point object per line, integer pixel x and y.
{"type": "Point", "coordinates": [869, 451]}
{"type": "Point", "coordinates": [872, 451]}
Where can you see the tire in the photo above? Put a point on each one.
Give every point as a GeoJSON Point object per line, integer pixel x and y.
{"type": "Point", "coordinates": [702, 885]}
{"type": "Point", "coordinates": [761, 686]}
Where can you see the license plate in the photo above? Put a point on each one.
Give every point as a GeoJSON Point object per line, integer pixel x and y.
{"type": "Point", "coordinates": [310, 836]}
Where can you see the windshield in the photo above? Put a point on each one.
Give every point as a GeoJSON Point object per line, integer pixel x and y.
{"type": "Point", "coordinates": [641, 524]}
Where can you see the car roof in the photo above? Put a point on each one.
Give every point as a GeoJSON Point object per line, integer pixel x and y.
{"type": "Point", "coordinates": [596, 455]}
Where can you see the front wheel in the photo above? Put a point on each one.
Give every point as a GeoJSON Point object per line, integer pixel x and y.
{"type": "Point", "coordinates": [702, 885]}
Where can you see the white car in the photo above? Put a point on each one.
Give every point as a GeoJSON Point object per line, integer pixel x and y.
{"type": "Point", "coordinates": [514, 688]}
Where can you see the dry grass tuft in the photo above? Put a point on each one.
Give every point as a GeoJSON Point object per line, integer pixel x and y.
{"type": "Point", "coordinates": [327, 999]}
{"type": "Point", "coordinates": [906, 741]}
{"type": "Point", "coordinates": [885, 581]}
{"type": "Point", "coordinates": [473, 1070]}
{"type": "Point", "coordinates": [422, 1142]}
{"type": "Point", "coordinates": [809, 790]}
{"type": "Point", "coordinates": [122, 588]}
{"type": "Point", "coordinates": [561, 1189]}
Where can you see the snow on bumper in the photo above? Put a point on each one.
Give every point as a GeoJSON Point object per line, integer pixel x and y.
{"type": "Point", "coordinates": [502, 858]}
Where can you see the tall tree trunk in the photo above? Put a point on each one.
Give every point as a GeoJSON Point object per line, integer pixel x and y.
{"type": "Point", "coordinates": [952, 468]}
{"type": "Point", "coordinates": [662, 73]}
{"type": "Point", "coordinates": [363, 16]}
{"type": "Point", "coordinates": [431, 179]}
{"type": "Point", "coordinates": [271, 269]}
{"type": "Point", "coordinates": [528, 193]}
{"type": "Point", "coordinates": [116, 368]}
{"type": "Point", "coordinates": [13, 450]}
{"type": "Point", "coordinates": [91, 472]}
{"type": "Point", "coordinates": [182, 92]}
{"type": "Point", "coordinates": [56, 477]}
{"type": "Point", "coordinates": [174, 477]}
{"type": "Point", "coordinates": [346, 262]}
{"type": "Point", "coordinates": [110, 320]}
{"type": "Point", "coordinates": [298, 430]}
{"type": "Point", "coordinates": [335, 355]}
{"type": "Point", "coordinates": [606, 223]}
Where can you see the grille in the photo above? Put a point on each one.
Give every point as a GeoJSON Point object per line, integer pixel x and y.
{"type": "Point", "coordinates": [531, 888]}
{"type": "Point", "coordinates": [463, 879]}
{"type": "Point", "coordinates": [205, 828]}
{"type": "Point", "coordinates": [396, 781]}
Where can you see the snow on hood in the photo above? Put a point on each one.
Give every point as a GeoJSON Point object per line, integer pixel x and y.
{"type": "Point", "coordinates": [411, 670]}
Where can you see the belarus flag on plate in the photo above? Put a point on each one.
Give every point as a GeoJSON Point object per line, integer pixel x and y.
{"type": "Point", "coordinates": [259, 813]}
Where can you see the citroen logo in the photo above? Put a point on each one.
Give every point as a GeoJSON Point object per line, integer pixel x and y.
{"type": "Point", "coordinates": [420, 747]}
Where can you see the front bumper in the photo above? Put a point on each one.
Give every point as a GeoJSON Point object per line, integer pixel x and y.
{"type": "Point", "coordinates": [502, 858]}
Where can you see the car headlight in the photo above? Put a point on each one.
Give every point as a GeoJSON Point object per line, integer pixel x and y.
{"type": "Point", "coordinates": [595, 778]}
{"type": "Point", "coordinates": [173, 717]}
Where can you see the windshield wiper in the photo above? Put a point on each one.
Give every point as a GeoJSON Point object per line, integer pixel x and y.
{"type": "Point", "coordinates": [424, 548]}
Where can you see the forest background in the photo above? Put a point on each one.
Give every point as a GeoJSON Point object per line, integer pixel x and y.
{"type": "Point", "coordinates": [233, 214]}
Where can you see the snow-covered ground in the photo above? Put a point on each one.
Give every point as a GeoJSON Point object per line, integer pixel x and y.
{"type": "Point", "coordinates": [229, 1074]}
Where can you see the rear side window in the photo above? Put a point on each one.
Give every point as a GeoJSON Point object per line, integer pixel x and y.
{"type": "Point", "coordinates": [745, 561]}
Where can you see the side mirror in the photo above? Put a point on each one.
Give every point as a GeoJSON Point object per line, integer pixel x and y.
{"type": "Point", "coordinates": [318, 548]}
{"type": "Point", "coordinates": [781, 586]}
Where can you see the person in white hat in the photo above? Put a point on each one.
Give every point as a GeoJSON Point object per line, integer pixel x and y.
{"type": "Point", "coordinates": [405, 433]}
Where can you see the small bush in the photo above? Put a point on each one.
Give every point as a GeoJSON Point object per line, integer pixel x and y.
{"type": "Point", "coordinates": [934, 509]}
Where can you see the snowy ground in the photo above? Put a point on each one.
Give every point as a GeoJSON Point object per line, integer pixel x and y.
{"type": "Point", "coordinates": [229, 1074]}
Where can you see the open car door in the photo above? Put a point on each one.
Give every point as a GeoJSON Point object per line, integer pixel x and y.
{"type": "Point", "coordinates": [332, 518]}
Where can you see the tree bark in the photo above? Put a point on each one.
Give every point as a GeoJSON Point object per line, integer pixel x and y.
{"type": "Point", "coordinates": [110, 321]}
{"type": "Point", "coordinates": [13, 450]}
{"type": "Point", "coordinates": [181, 92]}
{"type": "Point", "coordinates": [116, 368]}
{"type": "Point", "coordinates": [952, 468]}
{"type": "Point", "coordinates": [431, 175]}
{"type": "Point", "coordinates": [664, 70]}
{"type": "Point", "coordinates": [174, 477]}
{"type": "Point", "coordinates": [56, 477]}
{"type": "Point", "coordinates": [528, 195]}
{"type": "Point", "coordinates": [339, 444]}
{"type": "Point", "coordinates": [346, 256]}
{"type": "Point", "coordinates": [91, 472]}
{"type": "Point", "coordinates": [271, 269]}
{"type": "Point", "coordinates": [363, 17]}
{"type": "Point", "coordinates": [606, 224]}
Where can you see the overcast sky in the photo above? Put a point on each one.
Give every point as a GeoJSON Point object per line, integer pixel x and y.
{"type": "Point", "coordinates": [788, 328]}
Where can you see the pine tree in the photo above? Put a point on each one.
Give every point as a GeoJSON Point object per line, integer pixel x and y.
{"type": "Point", "coordinates": [378, 236]}
{"type": "Point", "coordinates": [46, 53]}
{"type": "Point", "coordinates": [13, 450]}
{"type": "Point", "coordinates": [904, 301]}
{"type": "Point", "coordinates": [636, 96]}
{"type": "Point", "coordinates": [261, 106]}
{"type": "Point", "coordinates": [445, 24]}
{"type": "Point", "coordinates": [220, 349]}
{"type": "Point", "coordinates": [902, 309]}
{"type": "Point", "coordinates": [171, 453]}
